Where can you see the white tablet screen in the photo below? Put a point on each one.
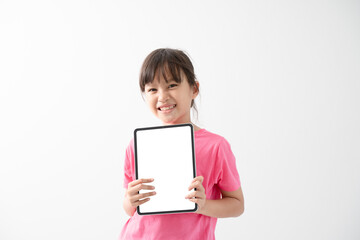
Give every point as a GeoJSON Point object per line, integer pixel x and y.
{"type": "Point", "coordinates": [166, 154]}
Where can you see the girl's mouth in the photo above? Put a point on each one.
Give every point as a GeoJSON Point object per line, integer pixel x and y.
{"type": "Point", "coordinates": [167, 108]}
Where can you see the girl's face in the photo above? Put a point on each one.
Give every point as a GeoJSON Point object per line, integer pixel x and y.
{"type": "Point", "coordinates": [170, 101]}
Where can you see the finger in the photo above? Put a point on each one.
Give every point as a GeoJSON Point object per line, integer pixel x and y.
{"type": "Point", "coordinates": [144, 187]}
{"type": "Point", "coordinates": [142, 195]}
{"type": "Point", "coordinates": [197, 185]}
{"type": "Point", "coordinates": [198, 178]}
{"type": "Point", "coordinates": [138, 181]}
{"type": "Point", "coordinates": [134, 190]}
{"type": "Point", "coordinates": [191, 195]}
{"type": "Point", "coordinates": [195, 200]}
{"type": "Point", "coordinates": [138, 203]}
{"type": "Point", "coordinates": [193, 185]}
{"type": "Point", "coordinates": [195, 194]}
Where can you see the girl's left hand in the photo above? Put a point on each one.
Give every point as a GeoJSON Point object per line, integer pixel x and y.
{"type": "Point", "coordinates": [197, 196]}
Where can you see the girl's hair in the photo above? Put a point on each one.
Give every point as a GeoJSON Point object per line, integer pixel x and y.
{"type": "Point", "coordinates": [165, 62]}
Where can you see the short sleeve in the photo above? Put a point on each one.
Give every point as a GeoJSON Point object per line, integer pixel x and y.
{"type": "Point", "coordinates": [129, 173]}
{"type": "Point", "coordinates": [228, 178]}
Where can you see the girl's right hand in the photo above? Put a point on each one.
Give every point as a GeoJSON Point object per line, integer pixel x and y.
{"type": "Point", "coordinates": [132, 194]}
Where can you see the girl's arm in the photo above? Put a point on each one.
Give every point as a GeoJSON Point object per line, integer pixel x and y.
{"type": "Point", "coordinates": [130, 210]}
{"type": "Point", "coordinates": [231, 204]}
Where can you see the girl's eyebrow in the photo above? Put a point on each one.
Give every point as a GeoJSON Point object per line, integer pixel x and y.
{"type": "Point", "coordinates": [172, 80]}
{"type": "Point", "coordinates": [148, 87]}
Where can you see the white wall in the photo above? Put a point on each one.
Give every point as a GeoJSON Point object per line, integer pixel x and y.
{"type": "Point", "coordinates": [279, 80]}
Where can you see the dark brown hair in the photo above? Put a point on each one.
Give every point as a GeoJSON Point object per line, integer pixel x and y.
{"type": "Point", "coordinates": [165, 62]}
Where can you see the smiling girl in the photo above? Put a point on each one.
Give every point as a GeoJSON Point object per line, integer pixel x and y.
{"type": "Point", "coordinates": [168, 82]}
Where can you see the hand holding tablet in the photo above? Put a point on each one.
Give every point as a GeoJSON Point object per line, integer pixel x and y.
{"type": "Point", "coordinates": [134, 187]}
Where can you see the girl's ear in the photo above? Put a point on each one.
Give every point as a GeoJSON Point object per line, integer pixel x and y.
{"type": "Point", "coordinates": [196, 89]}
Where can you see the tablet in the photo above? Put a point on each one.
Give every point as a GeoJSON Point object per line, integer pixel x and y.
{"type": "Point", "coordinates": [166, 154]}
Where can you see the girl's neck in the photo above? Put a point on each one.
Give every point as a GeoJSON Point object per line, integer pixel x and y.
{"type": "Point", "coordinates": [196, 128]}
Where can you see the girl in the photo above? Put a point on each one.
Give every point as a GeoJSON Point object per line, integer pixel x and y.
{"type": "Point", "coordinates": [168, 82]}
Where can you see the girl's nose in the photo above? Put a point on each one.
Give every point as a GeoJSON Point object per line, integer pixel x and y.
{"type": "Point", "coordinates": [163, 96]}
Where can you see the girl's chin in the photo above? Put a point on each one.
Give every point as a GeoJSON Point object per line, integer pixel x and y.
{"type": "Point", "coordinates": [168, 121]}
{"type": "Point", "coordinates": [173, 122]}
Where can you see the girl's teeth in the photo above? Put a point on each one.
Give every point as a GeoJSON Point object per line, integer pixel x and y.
{"type": "Point", "coordinates": [167, 108]}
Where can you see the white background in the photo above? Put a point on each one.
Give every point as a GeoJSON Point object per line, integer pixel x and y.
{"type": "Point", "coordinates": [279, 80]}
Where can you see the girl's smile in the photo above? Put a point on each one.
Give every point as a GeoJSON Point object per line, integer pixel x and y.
{"type": "Point", "coordinates": [166, 108]}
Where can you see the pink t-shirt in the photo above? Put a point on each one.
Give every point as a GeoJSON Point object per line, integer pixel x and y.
{"type": "Point", "coordinates": [216, 163]}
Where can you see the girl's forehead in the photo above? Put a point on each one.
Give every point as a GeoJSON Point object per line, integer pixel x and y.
{"type": "Point", "coordinates": [160, 81]}
{"type": "Point", "coordinates": [164, 78]}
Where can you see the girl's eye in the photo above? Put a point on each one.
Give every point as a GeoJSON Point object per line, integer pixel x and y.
{"type": "Point", "coordinates": [172, 85]}
{"type": "Point", "coordinates": [152, 90]}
